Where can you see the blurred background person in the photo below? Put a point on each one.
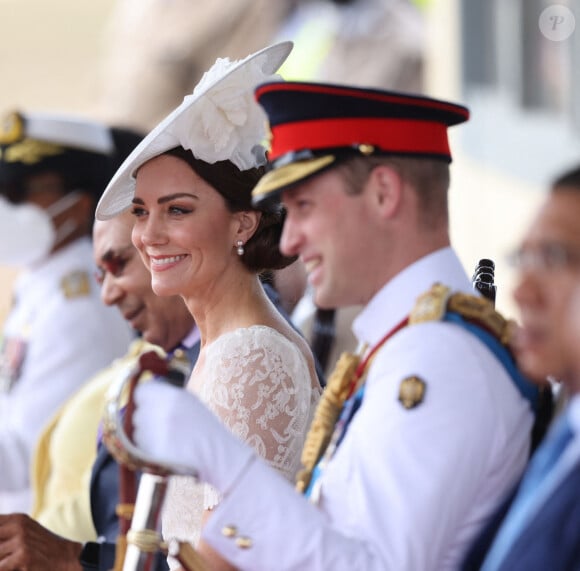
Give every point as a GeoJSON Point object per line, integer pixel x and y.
{"type": "Point", "coordinates": [370, 43]}
{"type": "Point", "coordinates": [155, 52]}
{"type": "Point", "coordinates": [540, 530]}
{"type": "Point", "coordinates": [66, 452]}
{"type": "Point", "coordinates": [58, 333]}
{"type": "Point", "coordinates": [71, 459]}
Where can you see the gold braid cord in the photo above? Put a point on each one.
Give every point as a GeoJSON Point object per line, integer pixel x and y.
{"type": "Point", "coordinates": [327, 412]}
{"type": "Point", "coordinates": [430, 306]}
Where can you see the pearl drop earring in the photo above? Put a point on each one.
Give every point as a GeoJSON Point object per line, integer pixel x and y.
{"type": "Point", "coordinates": [240, 247]}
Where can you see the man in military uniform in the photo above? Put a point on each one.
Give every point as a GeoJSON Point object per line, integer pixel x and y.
{"type": "Point", "coordinates": [58, 333]}
{"type": "Point", "coordinates": [434, 429]}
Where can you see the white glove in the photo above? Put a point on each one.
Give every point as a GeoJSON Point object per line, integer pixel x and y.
{"type": "Point", "coordinates": [172, 427]}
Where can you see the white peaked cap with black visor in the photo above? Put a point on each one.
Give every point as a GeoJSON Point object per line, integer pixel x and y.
{"type": "Point", "coordinates": [220, 120]}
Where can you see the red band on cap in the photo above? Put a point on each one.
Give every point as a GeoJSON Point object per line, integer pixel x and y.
{"type": "Point", "coordinates": [390, 135]}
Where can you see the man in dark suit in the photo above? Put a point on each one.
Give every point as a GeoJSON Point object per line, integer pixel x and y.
{"type": "Point", "coordinates": [541, 529]}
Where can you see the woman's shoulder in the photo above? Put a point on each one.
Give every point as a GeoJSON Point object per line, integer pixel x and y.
{"type": "Point", "coordinates": [253, 337]}
{"type": "Point", "coordinates": [262, 347]}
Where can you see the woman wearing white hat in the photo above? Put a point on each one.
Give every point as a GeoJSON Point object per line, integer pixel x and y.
{"type": "Point", "coordinates": [189, 186]}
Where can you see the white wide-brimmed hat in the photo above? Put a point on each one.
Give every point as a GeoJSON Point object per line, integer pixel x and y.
{"type": "Point", "coordinates": [219, 121]}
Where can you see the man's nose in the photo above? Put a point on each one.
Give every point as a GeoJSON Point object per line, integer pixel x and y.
{"type": "Point", "coordinates": [290, 239]}
{"type": "Point", "coordinates": [111, 293]}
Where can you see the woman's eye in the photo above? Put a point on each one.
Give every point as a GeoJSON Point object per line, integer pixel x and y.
{"type": "Point", "coordinates": [179, 210]}
{"type": "Point", "coordinates": [138, 212]}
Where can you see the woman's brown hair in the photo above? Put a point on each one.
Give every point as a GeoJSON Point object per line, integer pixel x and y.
{"type": "Point", "coordinates": [261, 251]}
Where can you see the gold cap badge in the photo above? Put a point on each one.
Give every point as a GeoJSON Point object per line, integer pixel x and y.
{"type": "Point", "coordinates": [411, 392]}
{"type": "Point", "coordinates": [18, 147]}
{"type": "Point", "coordinates": [11, 129]}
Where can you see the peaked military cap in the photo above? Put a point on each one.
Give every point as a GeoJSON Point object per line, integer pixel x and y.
{"type": "Point", "coordinates": [314, 126]}
{"type": "Point", "coordinates": [83, 152]}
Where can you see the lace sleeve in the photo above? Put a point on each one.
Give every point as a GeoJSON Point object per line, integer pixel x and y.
{"type": "Point", "coordinates": [259, 384]}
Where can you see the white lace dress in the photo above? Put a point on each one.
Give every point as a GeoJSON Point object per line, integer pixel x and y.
{"type": "Point", "coordinates": [259, 384]}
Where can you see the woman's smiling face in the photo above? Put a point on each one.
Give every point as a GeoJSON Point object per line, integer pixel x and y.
{"type": "Point", "coordinates": [183, 229]}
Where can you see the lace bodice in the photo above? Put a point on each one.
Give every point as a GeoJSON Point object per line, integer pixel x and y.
{"type": "Point", "coordinates": [258, 382]}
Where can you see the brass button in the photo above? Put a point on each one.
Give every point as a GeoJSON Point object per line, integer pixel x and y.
{"type": "Point", "coordinates": [229, 531]}
{"type": "Point", "coordinates": [243, 542]}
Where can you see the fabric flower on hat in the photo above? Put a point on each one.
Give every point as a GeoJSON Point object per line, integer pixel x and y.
{"type": "Point", "coordinates": [220, 120]}
{"type": "Point", "coordinates": [226, 122]}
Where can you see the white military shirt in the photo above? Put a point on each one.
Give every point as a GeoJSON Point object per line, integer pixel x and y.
{"type": "Point", "coordinates": [407, 489]}
{"type": "Point", "coordinates": [57, 336]}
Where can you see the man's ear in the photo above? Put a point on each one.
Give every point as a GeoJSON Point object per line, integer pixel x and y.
{"type": "Point", "coordinates": [386, 190]}
{"type": "Point", "coordinates": [248, 221]}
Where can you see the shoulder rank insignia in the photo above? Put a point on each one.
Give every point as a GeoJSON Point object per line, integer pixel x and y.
{"type": "Point", "coordinates": [439, 299]}
{"type": "Point", "coordinates": [431, 305]}
{"type": "Point", "coordinates": [411, 392]}
{"type": "Point", "coordinates": [75, 284]}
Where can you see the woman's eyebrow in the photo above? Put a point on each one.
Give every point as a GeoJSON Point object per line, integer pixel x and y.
{"type": "Point", "coordinates": [170, 197]}
{"type": "Point", "coordinates": [167, 198]}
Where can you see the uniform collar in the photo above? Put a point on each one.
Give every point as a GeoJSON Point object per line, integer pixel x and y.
{"type": "Point", "coordinates": [397, 297]}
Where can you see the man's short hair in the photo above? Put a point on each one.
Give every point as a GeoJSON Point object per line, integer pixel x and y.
{"type": "Point", "coordinates": [428, 177]}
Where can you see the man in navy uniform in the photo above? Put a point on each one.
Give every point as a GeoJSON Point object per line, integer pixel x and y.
{"type": "Point", "coordinates": [58, 333]}
{"type": "Point", "coordinates": [434, 429]}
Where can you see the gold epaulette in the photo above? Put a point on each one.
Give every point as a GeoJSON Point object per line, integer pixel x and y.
{"type": "Point", "coordinates": [76, 284]}
{"type": "Point", "coordinates": [437, 301]}
{"type": "Point", "coordinates": [326, 415]}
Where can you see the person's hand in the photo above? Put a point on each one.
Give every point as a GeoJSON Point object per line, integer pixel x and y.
{"type": "Point", "coordinates": [172, 427]}
{"type": "Point", "coordinates": [27, 546]}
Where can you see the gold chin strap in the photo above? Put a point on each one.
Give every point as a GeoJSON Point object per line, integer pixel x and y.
{"type": "Point", "coordinates": [290, 173]}
{"type": "Point", "coordinates": [333, 398]}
